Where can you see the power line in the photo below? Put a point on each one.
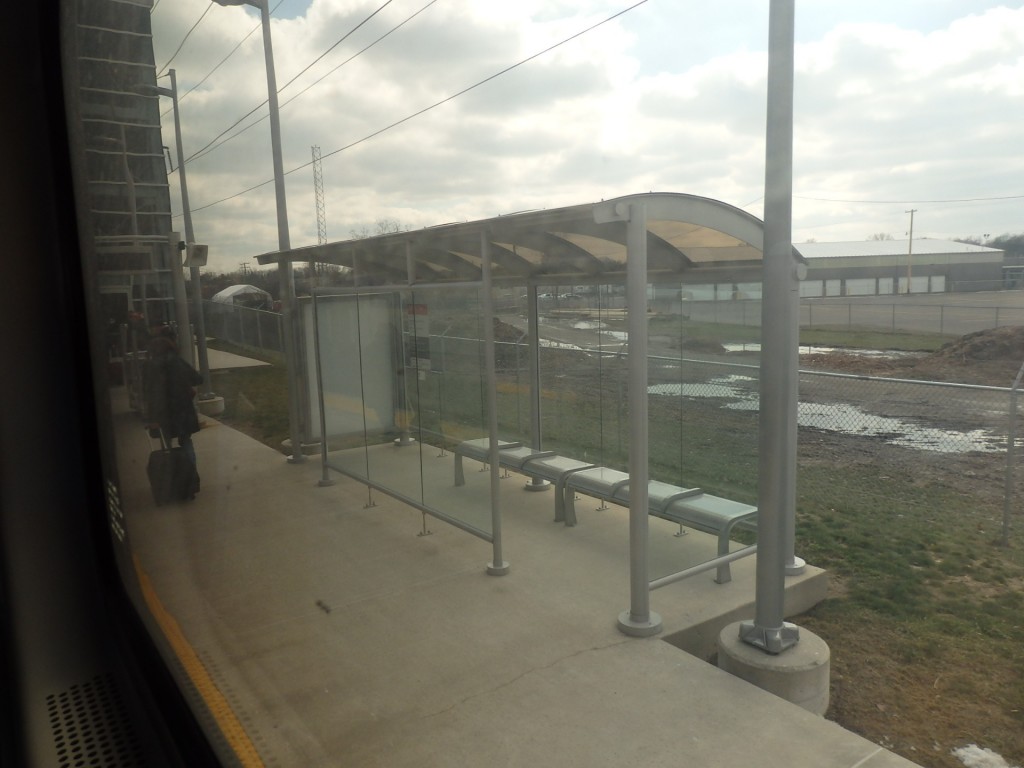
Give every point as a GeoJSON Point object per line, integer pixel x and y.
{"type": "Point", "coordinates": [432, 106]}
{"type": "Point", "coordinates": [200, 152]}
{"type": "Point", "coordinates": [912, 202]}
{"type": "Point", "coordinates": [208, 148]}
{"type": "Point", "coordinates": [178, 50]}
{"type": "Point", "coordinates": [336, 44]}
{"type": "Point", "coordinates": [482, 82]}
{"type": "Point", "coordinates": [221, 62]}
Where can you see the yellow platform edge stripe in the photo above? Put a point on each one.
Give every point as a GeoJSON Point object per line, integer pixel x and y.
{"type": "Point", "coordinates": [229, 724]}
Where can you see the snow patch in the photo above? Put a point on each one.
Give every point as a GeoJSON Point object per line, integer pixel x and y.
{"type": "Point", "coordinates": [974, 756]}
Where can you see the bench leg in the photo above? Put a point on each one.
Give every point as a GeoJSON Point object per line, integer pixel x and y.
{"type": "Point", "coordinates": [724, 573]}
{"type": "Point", "coordinates": [569, 496]}
{"type": "Point", "coordinates": [560, 501]}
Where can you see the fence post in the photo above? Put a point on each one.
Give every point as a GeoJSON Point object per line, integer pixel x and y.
{"type": "Point", "coordinates": [1011, 439]}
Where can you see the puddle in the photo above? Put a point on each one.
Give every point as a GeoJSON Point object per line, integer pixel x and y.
{"type": "Point", "coordinates": [548, 344]}
{"type": "Point", "coordinates": [804, 349]}
{"type": "Point", "coordinates": [594, 325]}
{"type": "Point", "coordinates": [843, 418]}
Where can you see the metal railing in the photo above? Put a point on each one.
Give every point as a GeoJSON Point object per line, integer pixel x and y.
{"type": "Point", "coordinates": [245, 326]}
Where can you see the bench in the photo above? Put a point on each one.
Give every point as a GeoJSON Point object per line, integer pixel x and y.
{"type": "Point", "coordinates": [556, 469]}
{"type": "Point", "coordinates": [479, 449]}
{"type": "Point", "coordinates": [545, 465]}
{"type": "Point", "coordinates": [688, 507]}
{"type": "Point", "coordinates": [511, 455]}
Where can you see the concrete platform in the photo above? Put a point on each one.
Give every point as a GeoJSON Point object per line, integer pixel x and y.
{"type": "Point", "coordinates": [220, 360]}
{"type": "Point", "coordinates": [321, 630]}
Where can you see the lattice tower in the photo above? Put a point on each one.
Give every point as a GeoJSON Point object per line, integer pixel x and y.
{"type": "Point", "coordinates": [318, 187]}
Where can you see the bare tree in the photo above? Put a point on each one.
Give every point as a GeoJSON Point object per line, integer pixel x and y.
{"type": "Point", "coordinates": [383, 226]}
{"type": "Point", "coordinates": [881, 236]}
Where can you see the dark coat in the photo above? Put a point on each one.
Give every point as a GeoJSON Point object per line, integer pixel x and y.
{"type": "Point", "coordinates": [169, 384]}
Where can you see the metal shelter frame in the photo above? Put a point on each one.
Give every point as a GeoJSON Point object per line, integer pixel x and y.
{"type": "Point", "coordinates": [635, 240]}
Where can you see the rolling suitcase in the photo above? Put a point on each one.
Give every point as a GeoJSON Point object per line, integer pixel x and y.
{"type": "Point", "coordinates": [172, 475]}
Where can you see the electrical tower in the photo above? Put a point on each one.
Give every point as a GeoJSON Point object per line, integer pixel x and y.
{"type": "Point", "coordinates": [318, 187]}
{"type": "Point", "coordinates": [316, 270]}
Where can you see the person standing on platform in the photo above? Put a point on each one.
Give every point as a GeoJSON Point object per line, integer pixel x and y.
{"type": "Point", "coordinates": [169, 384]}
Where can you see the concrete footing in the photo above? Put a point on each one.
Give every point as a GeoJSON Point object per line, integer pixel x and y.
{"type": "Point", "coordinates": [799, 674]}
{"type": "Point", "coordinates": [211, 406]}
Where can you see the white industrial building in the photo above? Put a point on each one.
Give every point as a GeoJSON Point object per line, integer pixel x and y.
{"type": "Point", "coordinates": [884, 267]}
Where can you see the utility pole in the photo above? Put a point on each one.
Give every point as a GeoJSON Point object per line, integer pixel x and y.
{"type": "Point", "coordinates": [245, 268]}
{"type": "Point", "coordinates": [910, 246]}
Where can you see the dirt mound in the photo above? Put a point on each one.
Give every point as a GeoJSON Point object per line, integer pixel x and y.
{"type": "Point", "coordinates": [1006, 343]}
{"type": "Point", "coordinates": [701, 345]}
{"type": "Point", "coordinates": [989, 358]}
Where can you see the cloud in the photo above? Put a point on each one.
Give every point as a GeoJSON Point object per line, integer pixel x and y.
{"type": "Point", "coordinates": [906, 103]}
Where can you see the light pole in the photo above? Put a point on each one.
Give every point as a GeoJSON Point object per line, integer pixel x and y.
{"type": "Point", "coordinates": [284, 266]}
{"type": "Point", "coordinates": [197, 295]}
{"type": "Point", "coordinates": [780, 335]}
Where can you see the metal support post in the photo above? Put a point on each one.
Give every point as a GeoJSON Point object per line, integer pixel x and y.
{"type": "Point", "coordinates": [779, 344]}
{"type": "Point", "coordinates": [497, 566]}
{"type": "Point", "coordinates": [325, 479]}
{"type": "Point", "coordinates": [284, 267]}
{"type": "Point", "coordinates": [533, 353]}
{"type": "Point", "coordinates": [1011, 448]}
{"type": "Point", "coordinates": [639, 620]}
{"type": "Point", "coordinates": [190, 237]}
{"type": "Point", "coordinates": [184, 336]}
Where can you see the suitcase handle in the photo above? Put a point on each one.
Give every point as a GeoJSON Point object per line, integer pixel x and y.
{"type": "Point", "coordinates": [156, 432]}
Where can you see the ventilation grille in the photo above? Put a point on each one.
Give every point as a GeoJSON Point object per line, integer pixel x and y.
{"type": "Point", "coordinates": [91, 727]}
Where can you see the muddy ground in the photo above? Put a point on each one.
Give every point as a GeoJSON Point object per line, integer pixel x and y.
{"type": "Point", "coordinates": [990, 358]}
{"type": "Point", "coordinates": [915, 704]}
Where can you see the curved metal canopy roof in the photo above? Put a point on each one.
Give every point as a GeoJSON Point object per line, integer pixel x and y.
{"type": "Point", "coordinates": [689, 239]}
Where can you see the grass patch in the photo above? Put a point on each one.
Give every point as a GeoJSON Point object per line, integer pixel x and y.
{"type": "Point", "coordinates": [849, 338]}
{"type": "Point", "coordinates": [255, 401]}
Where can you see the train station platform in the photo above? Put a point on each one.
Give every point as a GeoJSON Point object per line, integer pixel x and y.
{"type": "Point", "coordinates": [334, 625]}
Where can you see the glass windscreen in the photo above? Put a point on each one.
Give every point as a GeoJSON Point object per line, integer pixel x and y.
{"type": "Point", "coordinates": [398, 396]}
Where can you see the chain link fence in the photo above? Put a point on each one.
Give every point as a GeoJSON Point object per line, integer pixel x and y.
{"type": "Point", "coordinates": [867, 313]}
{"type": "Point", "coordinates": [925, 454]}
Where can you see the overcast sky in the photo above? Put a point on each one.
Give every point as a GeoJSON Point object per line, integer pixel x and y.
{"type": "Point", "coordinates": [898, 104]}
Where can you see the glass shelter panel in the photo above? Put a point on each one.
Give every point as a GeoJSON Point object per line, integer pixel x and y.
{"type": "Point", "coordinates": [356, 382]}
{"type": "Point", "coordinates": [445, 402]}
{"type": "Point", "coordinates": [703, 442]}
{"type": "Point", "coordinates": [399, 378]}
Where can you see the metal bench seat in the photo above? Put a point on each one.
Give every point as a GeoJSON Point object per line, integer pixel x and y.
{"type": "Point", "coordinates": [479, 449]}
{"type": "Point", "coordinates": [688, 507]}
{"type": "Point", "coordinates": [541, 465]}
{"type": "Point", "coordinates": [511, 455]}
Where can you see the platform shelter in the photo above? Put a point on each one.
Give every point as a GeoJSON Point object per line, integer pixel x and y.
{"type": "Point", "coordinates": [409, 360]}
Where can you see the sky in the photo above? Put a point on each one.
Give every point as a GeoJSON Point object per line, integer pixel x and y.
{"type": "Point", "coordinates": [898, 106]}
